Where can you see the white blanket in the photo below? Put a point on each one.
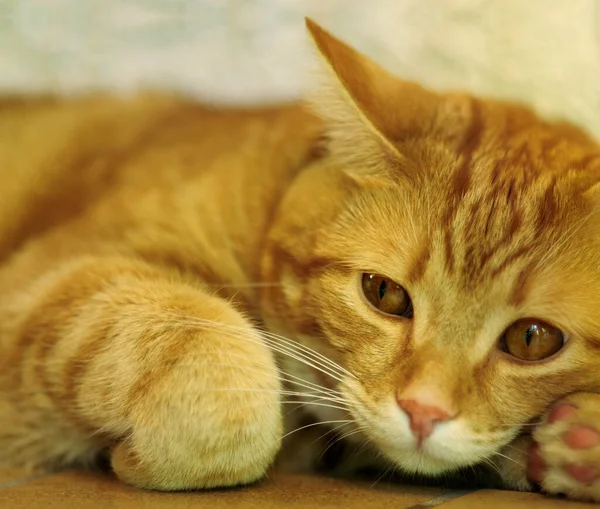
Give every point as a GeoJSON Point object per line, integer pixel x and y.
{"type": "Point", "coordinates": [545, 52]}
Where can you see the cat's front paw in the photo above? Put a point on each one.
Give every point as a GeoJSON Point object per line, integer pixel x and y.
{"type": "Point", "coordinates": [207, 413]}
{"type": "Point", "coordinates": [565, 457]}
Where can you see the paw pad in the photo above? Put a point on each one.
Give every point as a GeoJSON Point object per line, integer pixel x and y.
{"type": "Point", "coordinates": [583, 473]}
{"type": "Point", "coordinates": [565, 458]}
{"type": "Point", "coordinates": [561, 413]}
{"type": "Point", "coordinates": [582, 437]}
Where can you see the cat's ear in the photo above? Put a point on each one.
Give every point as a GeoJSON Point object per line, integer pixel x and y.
{"type": "Point", "coordinates": [368, 110]}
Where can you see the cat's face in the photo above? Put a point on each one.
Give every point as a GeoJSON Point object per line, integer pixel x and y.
{"type": "Point", "coordinates": [447, 255]}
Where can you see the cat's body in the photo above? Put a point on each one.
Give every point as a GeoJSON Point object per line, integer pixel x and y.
{"type": "Point", "coordinates": [125, 187]}
{"type": "Point", "coordinates": [144, 240]}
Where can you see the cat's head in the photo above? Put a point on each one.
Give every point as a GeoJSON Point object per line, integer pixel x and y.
{"type": "Point", "coordinates": [447, 254]}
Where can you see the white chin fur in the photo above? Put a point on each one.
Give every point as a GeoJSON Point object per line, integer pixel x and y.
{"type": "Point", "coordinates": [451, 446]}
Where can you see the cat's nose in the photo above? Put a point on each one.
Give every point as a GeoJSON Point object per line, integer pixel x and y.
{"type": "Point", "coordinates": [422, 417]}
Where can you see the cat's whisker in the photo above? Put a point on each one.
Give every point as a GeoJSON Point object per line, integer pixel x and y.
{"type": "Point", "coordinates": [323, 392]}
{"type": "Point", "coordinates": [385, 472]}
{"type": "Point", "coordinates": [267, 391]}
{"type": "Point", "coordinates": [339, 439]}
{"type": "Point", "coordinates": [301, 358]}
{"type": "Point", "coordinates": [316, 364]}
{"type": "Point", "coordinates": [245, 285]}
{"type": "Point", "coordinates": [225, 364]}
{"type": "Point", "coordinates": [306, 349]}
{"type": "Point", "coordinates": [283, 376]}
{"type": "Point", "coordinates": [188, 320]}
{"type": "Point", "coordinates": [493, 466]}
{"type": "Point", "coordinates": [103, 431]}
{"type": "Point", "coordinates": [364, 443]}
{"type": "Point", "coordinates": [511, 447]}
{"type": "Point", "coordinates": [294, 379]}
{"type": "Point", "coordinates": [277, 337]}
{"type": "Point", "coordinates": [312, 385]}
{"type": "Point", "coordinates": [332, 430]}
{"type": "Point", "coordinates": [312, 424]}
{"type": "Point", "coordinates": [320, 395]}
{"type": "Point", "coordinates": [317, 403]}
{"type": "Point", "coordinates": [314, 398]}
{"type": "Point", "coordinates": [507, 458]}
{"type": "Point", "coordinates": [393, 473]}
{"type": "Point", "coordinates": [282, 350]}
{"type": "Point", "coordinates": [304, 403]}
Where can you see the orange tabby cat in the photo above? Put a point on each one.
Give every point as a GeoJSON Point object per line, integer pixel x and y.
{"type": "Point", "coordinates": [434, 260]}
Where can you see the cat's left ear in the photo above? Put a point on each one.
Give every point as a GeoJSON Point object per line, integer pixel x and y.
{"type": "Point", "coordinates": [368, 110]}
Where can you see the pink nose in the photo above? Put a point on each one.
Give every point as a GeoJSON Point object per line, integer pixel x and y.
{"type": "Point", "coordinates": [422, 417]}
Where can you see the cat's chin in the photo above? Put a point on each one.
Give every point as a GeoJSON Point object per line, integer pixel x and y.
{"type": "Point", "coordinates": [420, 462]}
{"type": "Point", "coordinates": [453, 445]}
{"type": "Point", "coordinates": [445, 452]}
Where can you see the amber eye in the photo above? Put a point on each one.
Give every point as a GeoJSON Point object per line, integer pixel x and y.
{"type": "Point", "coordinates": [386, 295]}
{"type": "Point", "coordinates": [532, 340]}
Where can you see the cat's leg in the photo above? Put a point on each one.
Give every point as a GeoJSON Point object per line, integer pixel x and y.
{"type": "Point", "coordinates": [175, 381]}
{"type": "Point", "coordinates": [563, 455]}
{"type": "Point", "coordinates": [512, 465]}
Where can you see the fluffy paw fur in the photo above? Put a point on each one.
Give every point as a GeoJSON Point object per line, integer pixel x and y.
{"type": "Point", "coordinates": [176, 382]}
{"type": "Point", "coordinates": [565, 457]}
{"type": "Point", "coordinates": [214, 420]}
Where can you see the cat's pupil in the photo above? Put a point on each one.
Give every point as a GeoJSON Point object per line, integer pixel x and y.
{"type": "Point", "coordinates": [382, 289]}
{"type": "Point", "coordinates": [528, 336]}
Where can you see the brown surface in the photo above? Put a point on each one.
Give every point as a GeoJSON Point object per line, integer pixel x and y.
{"type": "Point", "coordinates": [86, 490]}
{"type": "Point", "coordinates": [489, 499]}
{"type": "Point", "coordinates": [7, 476]}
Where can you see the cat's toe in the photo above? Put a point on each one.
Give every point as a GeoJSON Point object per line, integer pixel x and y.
{"type": "Point", "coordinates": [582, 437]}
{"type": "Point", "coordinates": [566, 456]}
{"type": "Point", "coordinates": [561, 412]}
{"type": "Point", "coordinates": [536, 467]}
{"type": "Point", "coordinates": [585, 474]}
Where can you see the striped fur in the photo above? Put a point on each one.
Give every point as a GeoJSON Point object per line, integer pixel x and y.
{"type": "Point", "coordinates": [145, 242]}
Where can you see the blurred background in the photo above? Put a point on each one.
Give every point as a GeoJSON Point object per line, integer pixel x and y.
{"type": "Point", "coordinates": [545, 52]}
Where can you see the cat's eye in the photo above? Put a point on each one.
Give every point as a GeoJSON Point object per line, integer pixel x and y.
{"type": "Point", "coordinates": [532, 340]}
{"type": "Point", "coordinates": [386, 295]}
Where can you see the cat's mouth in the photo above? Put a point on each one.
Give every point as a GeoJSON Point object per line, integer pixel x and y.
{"type": "Point", "coordinates": [452, 445]}
{"type": "Point", "coordinates": [445, 451]}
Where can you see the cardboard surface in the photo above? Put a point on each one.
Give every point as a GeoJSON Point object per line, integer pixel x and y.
{"type": "Point", "coordinates": [77, 490]}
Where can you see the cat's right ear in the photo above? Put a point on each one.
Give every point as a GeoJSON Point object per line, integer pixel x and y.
{"type": "Point", "coordinates": [368, 110]}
